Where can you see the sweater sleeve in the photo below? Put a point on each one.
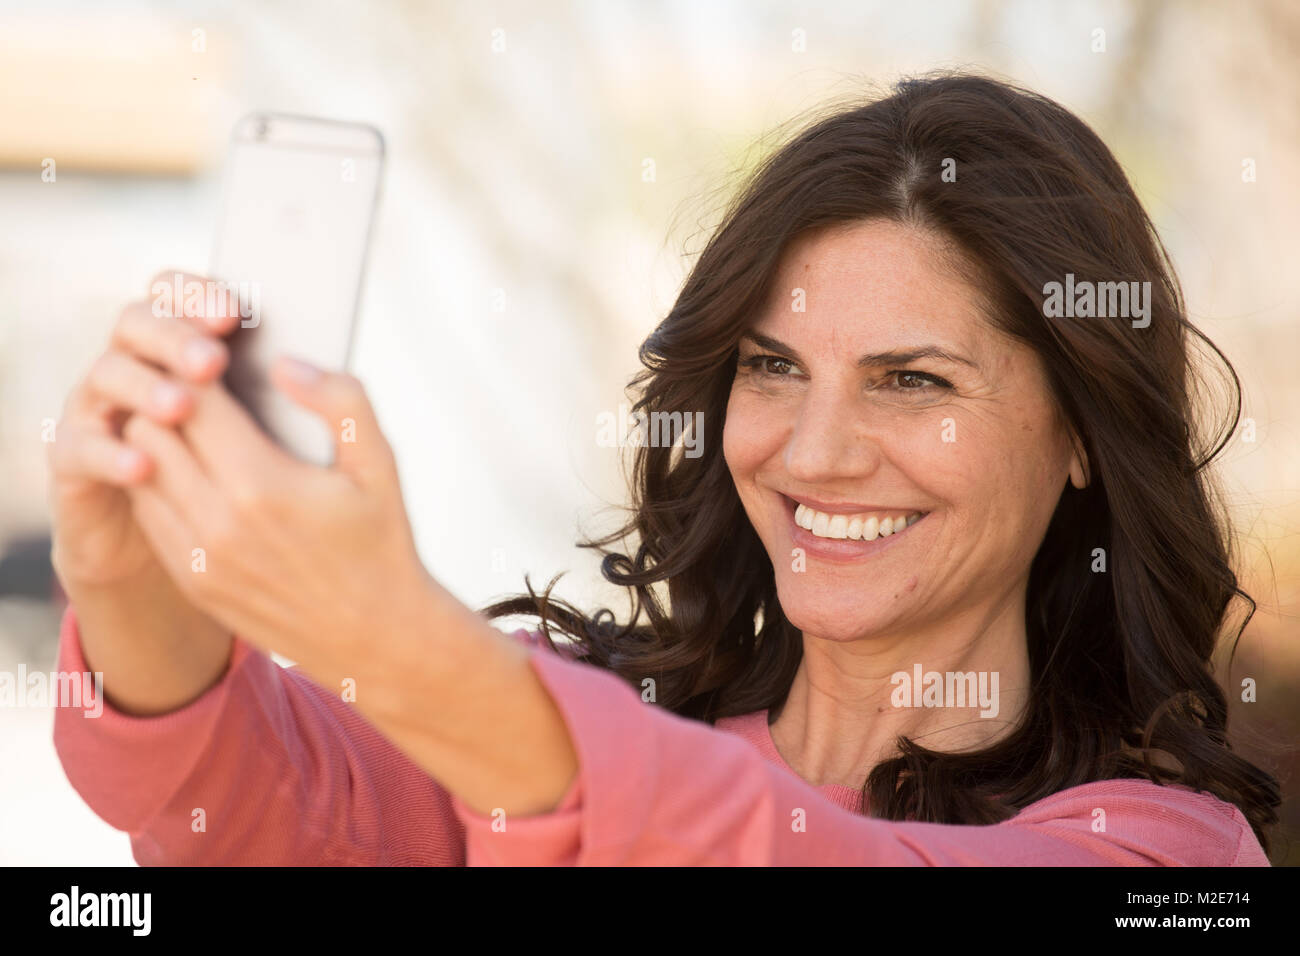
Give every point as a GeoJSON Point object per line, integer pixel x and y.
{"type": "Point", "coordinates": [654, 788]}
{"type": "Point", "coordinates": [264, 768]}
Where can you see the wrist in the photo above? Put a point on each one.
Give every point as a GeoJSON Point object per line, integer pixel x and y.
{"type": "Point", "coordinates": [79, 585]}
{"type": "Point", "coordinates": [429, 651]}
{"type": "Point", "coordinates": [461, 699]}
{"type": "Point", "coordinates": [156, 651]}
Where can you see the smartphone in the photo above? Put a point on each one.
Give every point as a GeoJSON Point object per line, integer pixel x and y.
{"type": "Point", "coordinates": [299, 202]}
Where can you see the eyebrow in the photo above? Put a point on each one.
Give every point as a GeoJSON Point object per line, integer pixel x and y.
{"type": "Point", "coordinates": [873, 359]}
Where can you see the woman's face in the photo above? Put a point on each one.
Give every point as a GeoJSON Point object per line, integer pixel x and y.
{"type": "Point", "coordinates": [890, 396]}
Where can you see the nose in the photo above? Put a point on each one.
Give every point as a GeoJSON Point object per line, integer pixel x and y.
{"type": "Point", "coordinates": [831, 438]}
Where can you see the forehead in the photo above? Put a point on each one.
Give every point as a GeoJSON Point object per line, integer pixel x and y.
{"type": "Point", "coordinates": [878, 280]}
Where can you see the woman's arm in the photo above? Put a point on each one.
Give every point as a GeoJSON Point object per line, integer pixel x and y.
{"type": "Point", "coordinates": [156, 650]}
{"type": "Point", "coordinates": [657, 789]}
{"type": "Point", "coordinates": [264, 768]}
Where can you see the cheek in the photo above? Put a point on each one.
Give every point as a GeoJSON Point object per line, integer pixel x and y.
{"type": "Point", "coordinates": [750, 435]}
{"type": "Point", "coordinates": [1000, 478]}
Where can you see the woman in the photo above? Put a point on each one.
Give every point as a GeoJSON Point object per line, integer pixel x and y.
{"type": "Point", "coordinates": [940, 584]}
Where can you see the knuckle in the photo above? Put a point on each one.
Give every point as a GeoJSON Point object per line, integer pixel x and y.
{"type": "Point", "coordinates": [252, 497]}
{"type": "Point", "coordinates": [137, 429]}
{"type": "Point", "coordinates": [102, 363]}
{"type": "Point", "coordinates": [344, 401]}
{"type": "Point", "coordinates": [220, 531]}
{"type": "Point", "coordinates": [246, 499]}
{"type": "Point", "coordinates": [129, 313]}
{"type": "Point", "coordinates": [100, 373]}
{"type": "Point", "coordinates": [352, 388]}
{"type": "Point", "coordinates": [128, 319]}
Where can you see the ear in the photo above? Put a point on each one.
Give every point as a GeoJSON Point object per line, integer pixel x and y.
{"type": "Point", "coordinates": [1079, 476]}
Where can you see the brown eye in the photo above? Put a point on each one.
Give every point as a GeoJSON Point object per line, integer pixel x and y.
{"type": "Point", "coordinates": [916, 381]}
{"type": "Point", "coordinates": [773, 366]}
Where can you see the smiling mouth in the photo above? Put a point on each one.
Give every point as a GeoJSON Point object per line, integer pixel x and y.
{"type": "Point", "coordinates": [861, 527]}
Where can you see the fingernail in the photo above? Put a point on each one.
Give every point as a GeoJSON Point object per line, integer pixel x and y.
{"type": "Point", "coordinates": [199, 354]}
{"type": "Point", "coordinates": [301, 371]}
{"type": "Point", "coordinates": [128, 462]}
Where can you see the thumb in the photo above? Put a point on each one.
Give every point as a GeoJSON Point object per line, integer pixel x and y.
{"type": "Point", "coordinates": [360, 448]}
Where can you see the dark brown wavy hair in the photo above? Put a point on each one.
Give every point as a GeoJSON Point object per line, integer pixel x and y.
{"type": "Point", "coordinates": [1120, 662]}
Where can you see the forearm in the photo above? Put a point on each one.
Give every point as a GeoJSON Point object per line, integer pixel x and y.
{"type": "Point", "coordinates": [461, 700]}
{"type": "Point", "coordinates": [157, 652]}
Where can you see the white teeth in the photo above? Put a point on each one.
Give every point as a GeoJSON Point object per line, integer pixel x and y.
{"type": "Point", "coordinates": [852, 527]}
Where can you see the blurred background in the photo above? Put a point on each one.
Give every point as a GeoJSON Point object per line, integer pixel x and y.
{"type": "Point", "coordinates": [552, 169]}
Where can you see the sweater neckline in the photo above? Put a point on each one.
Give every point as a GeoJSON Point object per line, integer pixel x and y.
{"type": "Point", "coordinates": [755, 728]}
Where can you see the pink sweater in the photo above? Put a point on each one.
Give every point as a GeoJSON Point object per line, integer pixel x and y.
{"type": "Point", "coordinates": [288, 773]}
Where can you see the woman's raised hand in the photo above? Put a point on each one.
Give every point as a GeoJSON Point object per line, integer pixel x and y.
{"type": "Point", "coordinates": [149, 369]}
{"type": "Point", "coordinates": [316, 563]}
{"type": "Point", "coordinates": [180, 523]}
{"type": "Point", "coordinates": [155, 649]}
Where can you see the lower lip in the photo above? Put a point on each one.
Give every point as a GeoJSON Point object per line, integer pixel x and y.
{"type": "Point", "coordinates": [842, 550]}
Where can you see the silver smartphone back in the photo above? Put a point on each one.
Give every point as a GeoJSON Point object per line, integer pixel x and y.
{"type": "Point", "coordinates": [299, 201]}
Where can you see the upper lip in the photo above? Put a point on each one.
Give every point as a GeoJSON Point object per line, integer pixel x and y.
{"type": "Point", "coordinates": [849, 508]}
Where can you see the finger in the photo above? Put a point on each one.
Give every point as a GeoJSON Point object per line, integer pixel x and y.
{"type": "Point", "coordinates": [360, 447]}
{"type": "Point", "coordinates": [171, 344]}
{"type": "Point", "coordinates": [213, 305]}
{"type": "Point", "coordinates": [82, 453]}
{"type": "Point", "coordinates": [121, 382]}
{"type": "Point", "coordinates": [137, 333]}
{"type": "Point", "coordinates": [176, 472]}
{"type": "Point", "coordinates": [170, 537]}
{"type": "Point", "coordinates": [86, 409]}
{"type": "Point", "coordinates": [229, 444]}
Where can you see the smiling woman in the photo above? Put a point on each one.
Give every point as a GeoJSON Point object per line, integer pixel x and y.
{"type": "Point", "coordinates": [869, 323]}
{"type": "Point", "coordinates": [919, 473]}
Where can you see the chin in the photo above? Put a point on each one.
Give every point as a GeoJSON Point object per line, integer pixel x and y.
{"type": "Point", "coordinates": [833, 617]}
